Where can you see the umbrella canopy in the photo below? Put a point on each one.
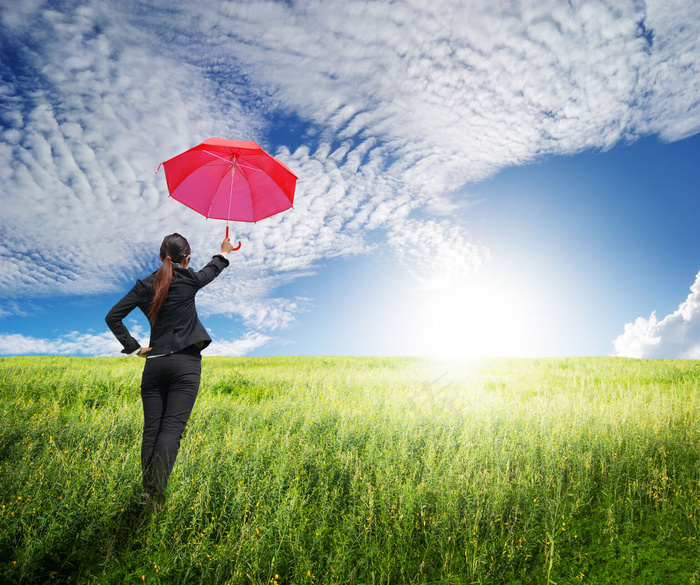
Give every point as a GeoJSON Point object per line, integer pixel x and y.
{"type": "Point", "coordinates": [230, 179]}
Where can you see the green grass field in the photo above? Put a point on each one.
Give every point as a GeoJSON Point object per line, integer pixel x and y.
{"type": "Point", "coordinates": [357, 470]}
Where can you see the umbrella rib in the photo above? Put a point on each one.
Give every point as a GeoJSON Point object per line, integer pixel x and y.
{"type": "Point", "coordinates": [230, 194]}
{"type": "Point", "coordinates": [229, 164]}
{"type": "Point", "coordinates": [227, 159]}
{"type": "Point", "coordinates": [251, 167]}
{"type": "Point", "coordinates": [252, 199]}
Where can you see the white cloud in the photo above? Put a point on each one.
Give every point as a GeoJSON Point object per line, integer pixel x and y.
{"type": "Point", "coordinates": [10, 307]}
{"type": "Point", "coordinates": [104, 344]}
{"type": "Point", "coordinates": [429, 96]}
{"type": "Point", "coordinates": [73, 343]}
{"type": "Point", "coordinates": [674, 106]}
{"type": "Point", "coordinates": [476, 86]}
{"type": "Point", "coordinates": [84, 135]}
{"type": "Point", "coordinates": [436, 253]}
{"type": "Point", "coordinates": [250, 299]}
{"type": "Point", "coordinates": [676, 336]}
{"type": "Point", "coordinates": [238, 347]}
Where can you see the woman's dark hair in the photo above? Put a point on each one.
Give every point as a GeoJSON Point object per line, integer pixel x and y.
{"type": "Point", "coordinates": [174, 249]}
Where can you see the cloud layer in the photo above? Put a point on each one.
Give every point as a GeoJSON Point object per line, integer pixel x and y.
{"type": "Point", "coordinates": [73, 343]}
{"type": "Point", "coordinates": [105, 344]}
{"type": "Point", "coordinates": [397, 106]}
{"type": "Point", "coordinates": [676, 336]}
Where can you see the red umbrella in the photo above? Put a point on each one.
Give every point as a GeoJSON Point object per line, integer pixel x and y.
{"type": "Point", "coordinates": [230, 179]}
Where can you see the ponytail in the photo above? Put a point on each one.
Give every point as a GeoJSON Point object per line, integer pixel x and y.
{"type": "Point", "coordinates": [161, 285]}
{"type": "Point", "coordinates": [173, 246]}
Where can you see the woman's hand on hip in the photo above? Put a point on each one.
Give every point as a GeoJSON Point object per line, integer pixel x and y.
{"type": "Point", "coordinates": [144, 351]}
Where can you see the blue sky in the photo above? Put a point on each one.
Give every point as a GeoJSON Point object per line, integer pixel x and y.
{"type": "Point", "coordinates": [475, 178]}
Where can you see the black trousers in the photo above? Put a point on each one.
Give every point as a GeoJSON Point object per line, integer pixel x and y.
{"type": "Point", "coordinates": [169, 389]}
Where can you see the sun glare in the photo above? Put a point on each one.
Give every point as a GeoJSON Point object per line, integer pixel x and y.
{"type": "Point", "coordinates": [477, 320]}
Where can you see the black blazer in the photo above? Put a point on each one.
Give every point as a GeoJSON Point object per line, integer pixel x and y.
{"type": "Point", "coordinates": [177, 325]}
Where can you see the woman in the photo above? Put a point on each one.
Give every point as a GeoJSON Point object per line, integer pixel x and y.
{"type": "Point", "coordinates": [171, 376]}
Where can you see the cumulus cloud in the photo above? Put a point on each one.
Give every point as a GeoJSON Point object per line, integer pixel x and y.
{"type": "Point", "coordinates": [676, 336]}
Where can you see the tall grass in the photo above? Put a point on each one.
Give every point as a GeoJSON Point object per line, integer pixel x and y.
{"type": "Point", "coordinates": [357, 470]}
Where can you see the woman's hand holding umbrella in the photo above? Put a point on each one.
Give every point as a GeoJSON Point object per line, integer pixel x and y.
{"type": "Point", "coordinates": [227, 246]}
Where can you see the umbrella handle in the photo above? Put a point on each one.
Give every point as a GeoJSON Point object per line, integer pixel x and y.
{"type": "Point", "coordinates": [239, 242]}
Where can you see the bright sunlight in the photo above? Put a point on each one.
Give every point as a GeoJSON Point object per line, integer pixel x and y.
{"type": "Point", "coordinates": [480, 319]}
